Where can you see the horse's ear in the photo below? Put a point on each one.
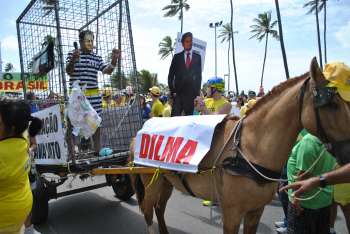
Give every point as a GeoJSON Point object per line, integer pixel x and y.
{"type": "Point", "coordinates": [316, 73]}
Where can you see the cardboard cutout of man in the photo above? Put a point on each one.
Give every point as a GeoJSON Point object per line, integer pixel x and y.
{"type": "Point", "coordinates": [185, 77]}
{"type": "Point", "coordinates": [83, 64]}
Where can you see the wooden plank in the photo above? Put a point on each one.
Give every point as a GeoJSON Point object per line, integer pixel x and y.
{"type": "Point", "coordinates": [127, 170]}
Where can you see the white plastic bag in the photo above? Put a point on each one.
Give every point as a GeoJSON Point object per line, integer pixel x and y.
{"type": "Point", "coordinates": [81, 114]}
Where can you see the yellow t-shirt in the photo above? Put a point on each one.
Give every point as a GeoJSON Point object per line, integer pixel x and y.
{"type": "Point", "coordinates": [157, 109]}
{"type": "Point", "coordinates": [110, 105]}
{"type": "Point", "coordinates": [214, 105]}
{"type": "Point", "coordinates": [15, 193]}
{"type": "Point", "coordinates": [167, 111]}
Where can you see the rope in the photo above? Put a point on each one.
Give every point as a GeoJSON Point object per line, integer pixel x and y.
{"type": "Point", "coordinates": [154, 178]}
{"type": "Point", "coordinates": [307, 198]}
{"type": "Point", "coordinates": [314, 164]}
{"type": "Point", "coordinates": [257, 171]}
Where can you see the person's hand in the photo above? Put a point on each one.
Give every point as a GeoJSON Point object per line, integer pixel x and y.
{"type": "Point", "coordinates": [303, 186]}
{"type": "Point", "coordinates": [199, 103]}
{"type": "Point", "coordinates": [75, 55]}
{"type": "Point", "coordinates": [115, 56]}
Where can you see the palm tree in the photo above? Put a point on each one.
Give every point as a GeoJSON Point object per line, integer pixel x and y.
{"type": "Point", "coordinates": [166, 47]}
{"type": "Point", "coordinates": [9, 67]}
{"type": "Point", "coordinates": [262, 29]}
{"type": "Point", "coordinates": [177, 7]}
{"type": "Point", "coordinates": [233, 49]}
{"type": "Point", "coordinates": [147, 80]}
{"type": "Point", "coordinates": [279, 20]}
{"type": "Point", "coordinates": [322, 5]}
{"type": "Point", "coordinates": [226, 34]}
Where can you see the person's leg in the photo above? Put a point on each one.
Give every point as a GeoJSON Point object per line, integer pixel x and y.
{"type": "Point", "coordinates": [322, 224]}
{"type": "Point", "coordinates": [283, 197]}
{"type": "Point", "coordinates": [333, 216]}
{"type": "Point", "coordinates": [97, 140]}
{"type": "Point", "coordinates": [346, 212]}
{"type": "Point", "coordinates": [188, 104]}
{"type": "Point", "coordinates": [177, 106]}
{"type": "Point", "coordinates": [296, 221]}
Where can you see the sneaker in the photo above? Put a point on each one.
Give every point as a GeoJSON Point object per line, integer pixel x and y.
{"type": "Point", "coordinates": [208, 203]}
{"type": "Point", "coordinates": [281, 230]}
{"type": "Point", "coordinates": [279, 224]}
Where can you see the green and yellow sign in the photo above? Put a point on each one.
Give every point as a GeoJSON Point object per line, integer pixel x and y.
{"type": "Point", "coordinates": [12, 82]}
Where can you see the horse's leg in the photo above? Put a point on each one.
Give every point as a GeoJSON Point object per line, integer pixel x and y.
{"type": "Point", "coordinates": [231, 218]}
{"type": "Point", "coordinates": [167, 189]}
{"type": "Point", "coordinates": [251, 221]}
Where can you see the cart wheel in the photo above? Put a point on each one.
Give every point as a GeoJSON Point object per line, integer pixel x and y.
{"type": "Point", "coordinates": [40, 209]}
{"type": "Point", "coordinates": [121, 185]}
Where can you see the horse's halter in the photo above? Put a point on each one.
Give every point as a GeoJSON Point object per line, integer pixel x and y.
{"type": "Point", "coordinates": [323, 96]}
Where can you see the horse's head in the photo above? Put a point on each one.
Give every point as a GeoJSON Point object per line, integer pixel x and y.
{"type": "Point", "coordinates": [324, 113]}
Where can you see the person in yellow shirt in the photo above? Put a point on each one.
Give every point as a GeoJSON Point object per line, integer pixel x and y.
{"type": "Point", "coordinates": [15, 193]}
{"type": "Point", "coordinates": [215, 103]}
{"type": "Point", "coordinates": [157, 106]}
{"type": "Point", "coordinates": [107, 101]}
{"type": "Point", "coordinates": [167, 105]}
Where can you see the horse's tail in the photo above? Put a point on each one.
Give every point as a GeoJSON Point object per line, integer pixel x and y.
{"type": "Point", "coordinates": [139, 189]}
{"type": "Point", "coordinates": [136, 179]}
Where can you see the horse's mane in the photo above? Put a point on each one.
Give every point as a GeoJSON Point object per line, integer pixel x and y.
{"type": "Point", "coordinates": [276, 91]}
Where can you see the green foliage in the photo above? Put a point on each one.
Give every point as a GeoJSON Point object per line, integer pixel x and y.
{"type": "Point", "coordinates": [263, 26]}
{"type": "Point", "coordinates": [176, 7]}
{"type": "Point", "coordinates": [166, 47]}
{"type": "Point", "coordinates": [9, 67]}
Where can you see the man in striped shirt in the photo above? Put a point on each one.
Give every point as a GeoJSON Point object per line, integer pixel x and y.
{"type": "Point", "coordinates": [83, 64]}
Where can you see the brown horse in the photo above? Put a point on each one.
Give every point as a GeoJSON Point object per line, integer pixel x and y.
{"type": "Point", "coordinates": [268, 134]}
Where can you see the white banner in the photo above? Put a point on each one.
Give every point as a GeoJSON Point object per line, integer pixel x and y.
{"type": "Point", "coordinates": [175, 143]}
{"type": "Point", "coordinates": [52, 148]}
{"type": "Point", "coordinates": [197, 45]}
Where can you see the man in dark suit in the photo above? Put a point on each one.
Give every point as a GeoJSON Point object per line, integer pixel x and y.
{"type": "Point", "coordinates": [185, 77]}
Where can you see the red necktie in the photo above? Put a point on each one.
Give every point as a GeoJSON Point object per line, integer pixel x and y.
{"type": "Point", "coordinates": [188, 60]}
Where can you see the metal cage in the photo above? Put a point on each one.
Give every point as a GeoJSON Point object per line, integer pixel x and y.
{"type": "Point", "coordinates": [62, 20]}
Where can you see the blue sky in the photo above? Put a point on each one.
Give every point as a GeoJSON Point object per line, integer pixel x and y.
{"type": "Point", "coordinates": [149, 27]}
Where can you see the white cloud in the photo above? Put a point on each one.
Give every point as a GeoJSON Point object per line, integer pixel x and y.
{"type": "Point", "coordinates": [343, 35]}
{"type": "Point", "coordinates": [9, 43]}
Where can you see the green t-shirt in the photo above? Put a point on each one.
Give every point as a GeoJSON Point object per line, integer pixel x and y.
{"type": "Point", "coordinates": [303, 156]}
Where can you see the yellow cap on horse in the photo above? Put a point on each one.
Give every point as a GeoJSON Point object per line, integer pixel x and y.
{"type": "Point", "coordinates": [338, 75]}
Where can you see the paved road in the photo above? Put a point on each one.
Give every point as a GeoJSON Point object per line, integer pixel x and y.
{"type": "Point", "coordinates": [99, 212]}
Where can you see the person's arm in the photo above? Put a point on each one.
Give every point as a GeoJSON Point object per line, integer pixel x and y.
{"type": "Point", "coordinates": [171, 75]}
{"type": "Point", "coordinates": [338, 176]}
{"type": "Point", "coordinates": [110, 67]}
{"type": "Point", "coordinates": [72, 57]}
{"type": "Point", "coordinates": [199, 75]}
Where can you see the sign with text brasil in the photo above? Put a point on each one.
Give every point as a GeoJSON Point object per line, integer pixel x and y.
{"type": "Point", "coordinates": [12, 82]}
{"type": "Point", "coordinates": [175, 143]}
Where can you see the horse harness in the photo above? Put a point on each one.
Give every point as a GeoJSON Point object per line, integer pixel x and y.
{"type": "Point", "coordinates": [323, 97]}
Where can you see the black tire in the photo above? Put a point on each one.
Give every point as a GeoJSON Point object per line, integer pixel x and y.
{"type": "Point", "coordinates": [121, 185]}
{"type": "Point", "coordinates": [40, 209]}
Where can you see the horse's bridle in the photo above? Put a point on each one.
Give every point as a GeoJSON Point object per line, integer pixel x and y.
{"type": "Point", "coordinates": [322, 96]}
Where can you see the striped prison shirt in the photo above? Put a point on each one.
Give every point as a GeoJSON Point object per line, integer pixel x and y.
{"type": "Point", "coordinates": [86, 69]}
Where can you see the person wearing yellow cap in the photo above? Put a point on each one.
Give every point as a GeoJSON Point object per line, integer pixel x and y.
{"type": "Point", "coordinates": [215, 103]}
{"type": "Point", "coordinates": [107, 102]}
{"type": "Point", "coordinates": [338, 75]}
{"type": "Point", "coordinates": [157, 106]}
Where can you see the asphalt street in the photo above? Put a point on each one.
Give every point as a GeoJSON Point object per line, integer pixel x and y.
{"type": "Point", "coordinates": [100, 212]}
